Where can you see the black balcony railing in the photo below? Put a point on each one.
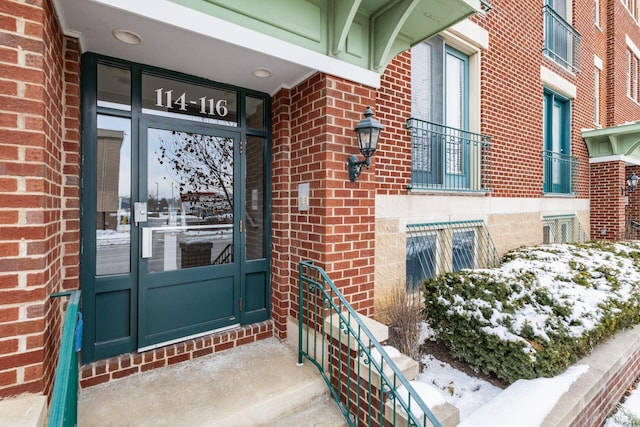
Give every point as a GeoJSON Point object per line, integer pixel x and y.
{"type": "Point", "coordinates": [560, 173]}
{"type": "Point", "coordinates": [446, 158]}
{"type": "Point", "coordinates": [561, 40]}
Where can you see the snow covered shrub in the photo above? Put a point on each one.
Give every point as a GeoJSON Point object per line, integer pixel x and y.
{"type": "Point", "coordinates": [540, 311]}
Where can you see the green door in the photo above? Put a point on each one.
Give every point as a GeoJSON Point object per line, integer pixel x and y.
{"type": "Point", "coordinates": [175, 207]}
{"type": "Point", "coordinates": [188, 219]}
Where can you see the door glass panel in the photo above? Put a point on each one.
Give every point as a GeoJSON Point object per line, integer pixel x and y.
{"type": "Point", "coordinates": [114, 87]}
{"type": "Point", "coordinates": [255, 198]}
{"type": "Point", "coordinates": [174, 98]}
{"type": "Point", "coordinates": [113, 196]}
{"type": "Point", "coordinates": [189, 201]}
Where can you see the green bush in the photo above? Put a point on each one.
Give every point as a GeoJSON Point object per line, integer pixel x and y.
{"type": "Point", "coordinates": [544, 308]}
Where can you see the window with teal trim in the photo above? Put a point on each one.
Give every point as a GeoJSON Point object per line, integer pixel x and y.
{"type": "Point", "coordinates": [441, 149]}
{"type": "Point", "coordinates": [559, 165]}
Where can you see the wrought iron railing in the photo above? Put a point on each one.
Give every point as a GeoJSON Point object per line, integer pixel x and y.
{"type": "Point", "coordinates": [63, 410]}
{"type": "Point", "coordinates": [632, 231]}
{"type": "Point", "coordinates": [439, 247]}
{"type": "Point", "coordinates": [446, 158]}
{"type": "Point", "coordinates": [560, 173]}
{"type": "Point", "coordinates": [563, 229]}
{"type": "Point", "coordinates": [334, 338]}
{"type": "Point", "coordinates": [561, 40]}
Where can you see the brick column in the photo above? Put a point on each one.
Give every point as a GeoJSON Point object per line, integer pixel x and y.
{"type": "Point", "coordinates": [311, 142]}
{"type": "Point", "coordinates": [608, 210]}
{"type": "Point", "coordinates": [39, 190]}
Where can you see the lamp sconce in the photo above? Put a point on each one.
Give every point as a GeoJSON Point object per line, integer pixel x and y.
{"type": "Point", "coordinates": [368, 132]}
{"type": "Point", "coordinates": [632, 183]}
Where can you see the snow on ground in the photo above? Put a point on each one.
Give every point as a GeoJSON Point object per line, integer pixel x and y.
{"type": "Point", "coordinates": [628, 414]}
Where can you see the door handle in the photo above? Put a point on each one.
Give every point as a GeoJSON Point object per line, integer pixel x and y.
{"type": "Point", "coordinates": [147, 242]}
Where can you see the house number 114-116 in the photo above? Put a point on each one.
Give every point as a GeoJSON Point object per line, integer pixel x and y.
{"type": "Point", "coordinates": [164, 99]}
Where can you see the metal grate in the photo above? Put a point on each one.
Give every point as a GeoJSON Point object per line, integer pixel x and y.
{"type": "Point", "coordinates": [563, 229]}
{"type": "Point", "coordinates": [561, 40]}
{"type": "Point", "coordinates": [446, 158]}
{"type": "Point", "coordinates": [437, 248]}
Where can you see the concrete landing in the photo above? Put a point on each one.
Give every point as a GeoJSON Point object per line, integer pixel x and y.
{"type": "Point", "coordinates": [257, 384]}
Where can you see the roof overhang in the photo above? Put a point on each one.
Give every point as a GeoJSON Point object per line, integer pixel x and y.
{"type": "Point", "coordinates": [616, 143]}
{"type": "Point", "coordinates": [225, 40]}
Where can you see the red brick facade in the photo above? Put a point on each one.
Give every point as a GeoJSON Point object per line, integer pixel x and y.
{"type": "Point", "coordinates": [312, 136]}
{"type": "Point", "coordinates": [39, 187]}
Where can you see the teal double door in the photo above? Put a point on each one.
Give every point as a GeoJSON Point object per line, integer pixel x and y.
{"type": "Point", "coordinates": [175, 208]}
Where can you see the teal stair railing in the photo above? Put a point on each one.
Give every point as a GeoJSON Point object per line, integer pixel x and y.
{"type": "Point", "coordinates": [63, 410]}
{"type": "Point", "coordinates": [368, 387]}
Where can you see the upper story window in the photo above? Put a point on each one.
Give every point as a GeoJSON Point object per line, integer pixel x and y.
{"type": "Point", "coordinates": [632, 76]}
{"type": "Point", "coordinates": [560, 167]}
{"type": "Point", "coordinates": [445, 155]}
{"type": "Point", "coordinates": [561, 40]}
{"type": "Point", "coordinates": [596, 13]}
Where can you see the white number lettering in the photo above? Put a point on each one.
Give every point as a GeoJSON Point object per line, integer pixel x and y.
{"type": "Point", "coordinates": [221, 108]}
{"type": "Point", "coordinates": [169, 97]}
{"type": "Point", "coordinates": [182, 100]}
{"type": "Point", "coordinates": [158, 97]}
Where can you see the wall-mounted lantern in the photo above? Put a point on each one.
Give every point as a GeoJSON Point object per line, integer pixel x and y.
{"type": "Point", "coordinates": [368, 132]}
{"type": "Point", "coordinates": [632, 183]}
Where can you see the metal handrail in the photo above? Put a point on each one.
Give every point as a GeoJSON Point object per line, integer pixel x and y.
{"type": "Point", "coordinates": [561, 40]}
{"type": "Point", "coordinates": [560, 172]}
{"type": "Point", "coordinates": [362, 385]}
{"type": "Point", "coordinates": [447, 158]}
{"type": "Point", "coordinates": [632, 231]}
{"type": "Point", "coordinates": [225, 256]}
{"type": "Point", "coordinates": [64, 398]}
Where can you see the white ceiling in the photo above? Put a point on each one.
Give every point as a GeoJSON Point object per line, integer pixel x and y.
{"type": "Point", "coordinates": [184, 40]}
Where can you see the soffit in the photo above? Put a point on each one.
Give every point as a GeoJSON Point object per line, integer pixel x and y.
{"type": "Point", "coordinates": [225, 40]}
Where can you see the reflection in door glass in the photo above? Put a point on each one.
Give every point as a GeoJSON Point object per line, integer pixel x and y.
{"type": "Point", "coordinates": [113, 196]}
{"type": "Point", "coordinates": [190, 200]}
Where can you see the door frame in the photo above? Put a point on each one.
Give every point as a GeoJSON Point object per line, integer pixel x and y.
{"type": "Point", "coordinates": [115, 299]}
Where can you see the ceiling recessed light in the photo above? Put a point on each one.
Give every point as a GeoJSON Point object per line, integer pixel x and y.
{"type": "Point", "coordinates": [126, 36]}
{"type": "Point", "coordinates": [262, 72]}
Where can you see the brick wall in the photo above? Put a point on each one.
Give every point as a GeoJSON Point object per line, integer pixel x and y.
{"type": "Point", "coordinates": [39, 177]}
{"type": "Point", "coordinates": [607, 204]}
{"type": "Point", "coordinates": [619, 24]}
{"type": "Point", "coordinates": [612, 391]}
{"type": "Point", "coordinates": [511, 102]}
{"type": "Point", "coordinates": [313, 135]}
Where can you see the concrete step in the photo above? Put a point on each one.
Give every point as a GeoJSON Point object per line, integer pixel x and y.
{"type": "Point", "coordinates": [252, 385]}
{"type": "Point", "coordinates": [321, 412]}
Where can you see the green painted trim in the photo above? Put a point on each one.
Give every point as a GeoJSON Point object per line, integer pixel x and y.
{"type": "Point", "coordinates": [386, 28]}
{"type": "Point", "coordinates": [365, 33]}
{"type": "Point", "coordinates": [622, 140]}
{"type": "Point", "coordinates": [344, 13]}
